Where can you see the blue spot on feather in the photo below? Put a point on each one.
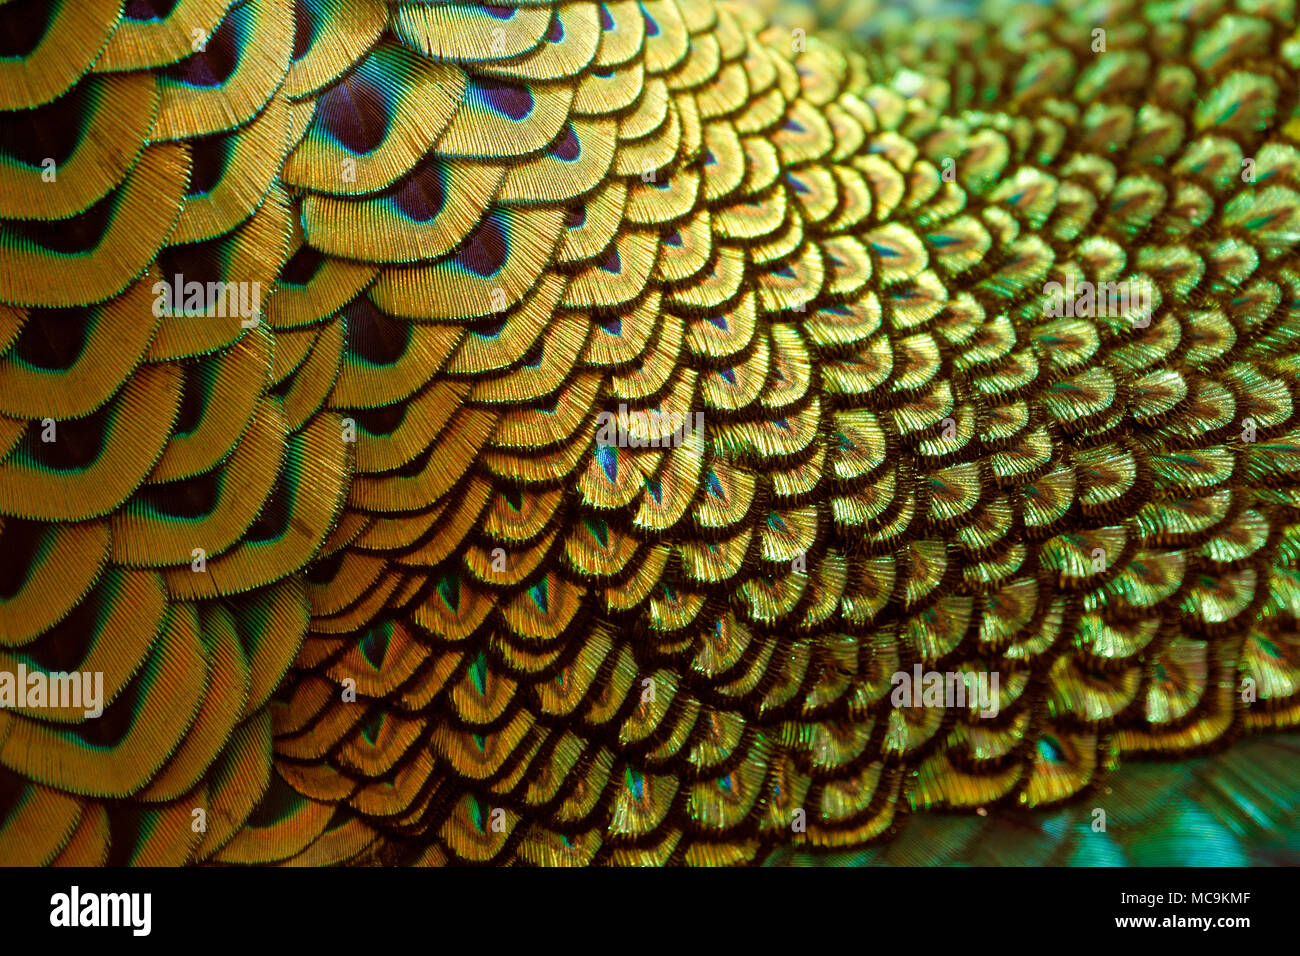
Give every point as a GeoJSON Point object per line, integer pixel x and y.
{"type": "Point", "coordinates": [541, 596]}
{"type": "Point", "coordinates": [449, 591]}
{"type": "Point", "coordinates": [715, 486]}
{"type": "Point", "coordinates": [371, 728]}
{"type": "Point", "coordinates": [636, 784]}
{"type": "Point", "coordinates": [599, 530]}
{"type": "Point", "coordinates": [607, 456]}
{"type": "Point", "coordinates": [375, 644]}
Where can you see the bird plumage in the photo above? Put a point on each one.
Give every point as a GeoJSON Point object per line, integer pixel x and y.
{"type": "Point", "coordinates": [312, 314]}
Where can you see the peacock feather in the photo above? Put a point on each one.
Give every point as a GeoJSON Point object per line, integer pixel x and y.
{"type": "Point", "coordinates": [575, 432]}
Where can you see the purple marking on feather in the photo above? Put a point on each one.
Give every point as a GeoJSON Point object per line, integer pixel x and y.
{"type": "Point", "coordinates": [497, 10]}
{"type": "Point", "coordinates": [355, 114]}
{"type": "Point", "coordinates": [197, 71]}
{"type": "Point", "coordinates": [728, 375]}
{"type": "Point", "coordinates": [208, 160]}
{"type": "Point", "coordinates": [23, 26]}
{"type": "Point", "coordinates": [835, 262]}
{"type": "Point", "coordinates": [793, 125]}
{"type": "Point", "coordinates": [140, 10]}
{"type": "Point", "coordinates": [492, 329]}
{"type": "Point", "coordinates": [613, 325]}
{"type": "Point", "coordinates": [651, 27]}
{"type": "Point", "coordinates": [566, 146]}
{"type": "Point", "coordinates": [215, 64]}
{"type": "Point", "coordinates": [302, 266]}
{"type": "Point", "coordinates": [797, 183]}
{"type": "Point", "coordinates": [373, 336]}
{"type": "Point", "coordinates": [557, 31]}
{"type": "Point", "coordinates": [423, 196]}
{"type": "Point", "coordinates": [784, 272]}
{"type": "Point", "coordinates": [304, 29]}
{"type": "Point", "coordinates": [720, 321]}
{"type": "Point", "coordinates": [606, 21]}
{"type": "Point", "coordinates": [613, 263]}
{"type": "Point", "coordinates": [576, 216]}
{"type": "Point", "coordinates": [673, 237]}
{"type": "Point", "coordinates": [484, 253]}
{"type": "Point", "coordinates": [709, 158]}
{"type": "Point", "coordinates": [191, 260]}
{"type": "Point", "coordinates": [508, 99]}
